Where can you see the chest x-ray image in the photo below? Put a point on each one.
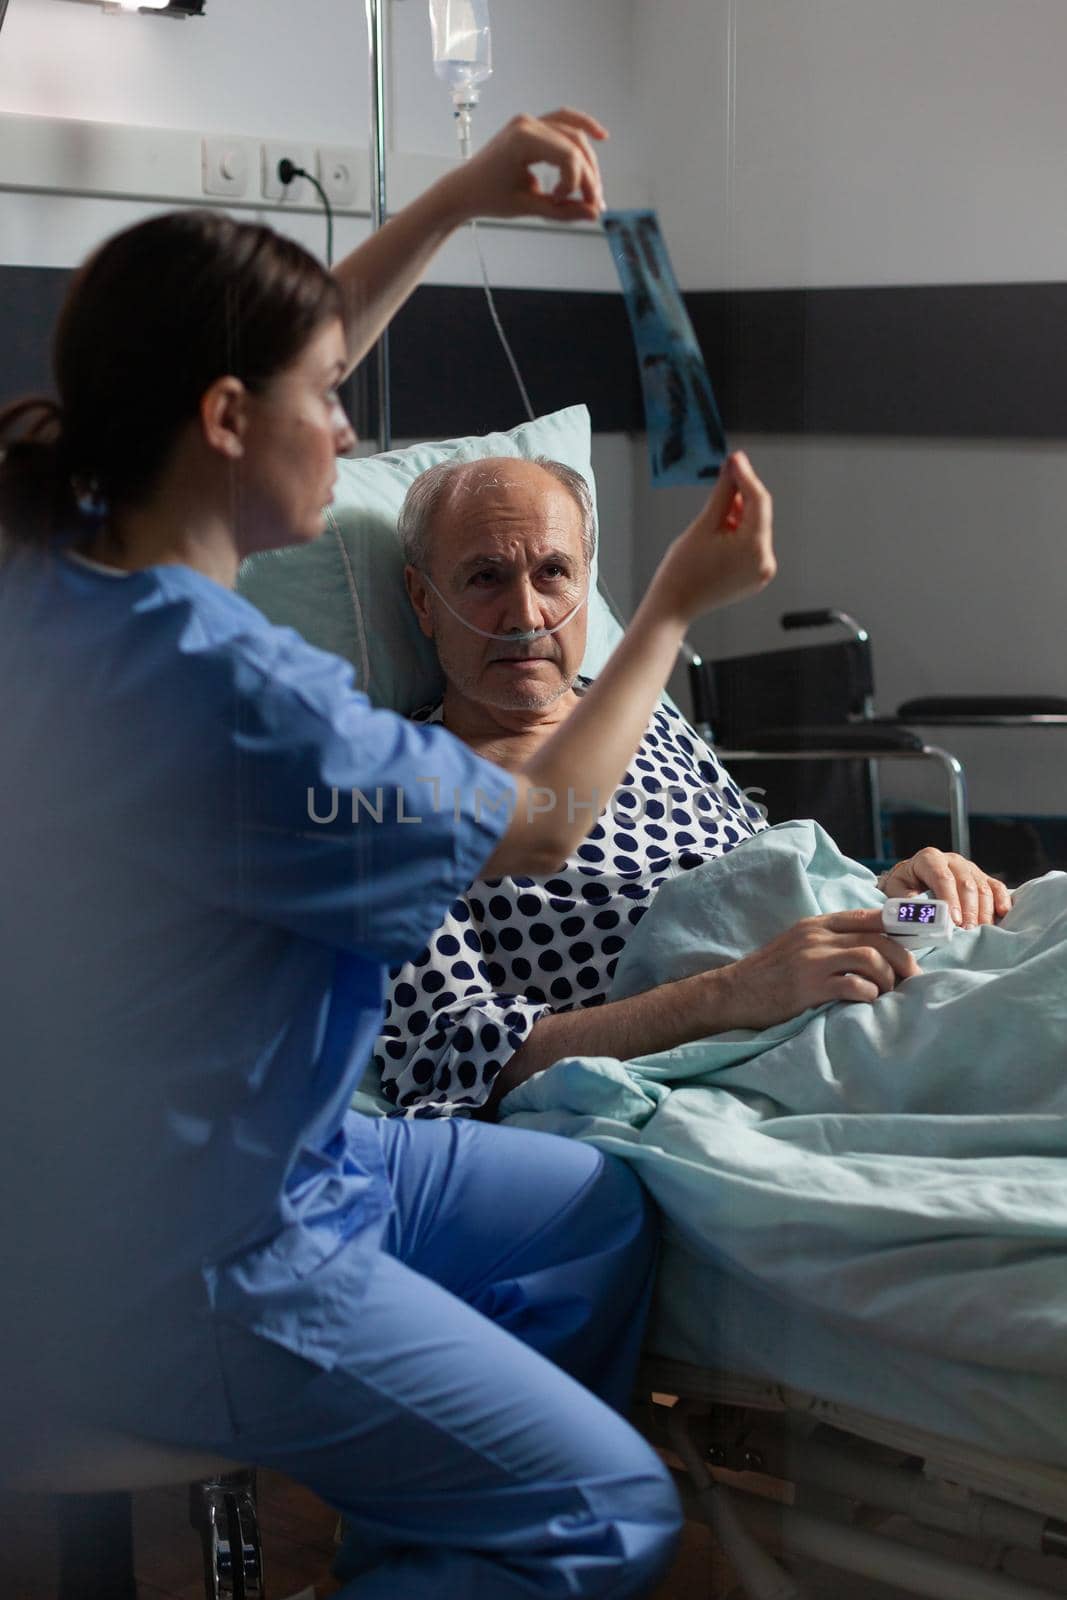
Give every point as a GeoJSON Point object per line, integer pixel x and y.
{"type": "Point", "coordinates": [686, 442]}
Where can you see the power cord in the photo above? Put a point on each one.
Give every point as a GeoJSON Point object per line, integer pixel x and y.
{"type": "Point", "coordinates": [287, 171]}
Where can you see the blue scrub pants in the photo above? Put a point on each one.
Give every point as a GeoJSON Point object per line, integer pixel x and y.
{"type": "Point", "coordinates": [468, 1462]}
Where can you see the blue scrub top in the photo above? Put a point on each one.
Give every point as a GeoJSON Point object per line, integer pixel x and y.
{"type": "Point", "coordinates": [210, 846]}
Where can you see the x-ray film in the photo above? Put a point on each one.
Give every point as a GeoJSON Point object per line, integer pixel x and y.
{"type": "Point", "coordinates": [686, 443]}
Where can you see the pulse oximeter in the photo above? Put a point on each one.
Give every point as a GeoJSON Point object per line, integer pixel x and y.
{"type": "Point", "coordinates": [918, 921]}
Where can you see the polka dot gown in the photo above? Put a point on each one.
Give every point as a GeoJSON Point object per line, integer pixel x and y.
{"type": "Point", "coordinates": [513, 949]}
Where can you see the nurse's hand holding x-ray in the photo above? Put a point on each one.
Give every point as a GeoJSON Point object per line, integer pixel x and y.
{"type": "Point", "coordinates": [724, 555]}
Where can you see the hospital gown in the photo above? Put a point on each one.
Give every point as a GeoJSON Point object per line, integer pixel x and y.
{"type": "Point", "coordinates": [202, 1242]}
{"type": "Point", "coordinates": [513, 949]}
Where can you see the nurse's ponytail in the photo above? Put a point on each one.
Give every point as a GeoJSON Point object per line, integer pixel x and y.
{"type": "Point", "coordinates": [149, 323]}
{"type": "Point", "coordinates": [37, 496]}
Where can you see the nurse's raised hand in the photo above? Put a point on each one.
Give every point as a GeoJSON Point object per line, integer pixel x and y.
{"type": "Point", "coordinates": [379, 274]}
{"type": "Point", "coordinates": [498, 180]}
{"type": "Point", "coordinates": [727, 551]}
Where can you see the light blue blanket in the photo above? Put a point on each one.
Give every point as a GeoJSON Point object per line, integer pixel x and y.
{"type": "Point", "coordinates": [883, 1188]}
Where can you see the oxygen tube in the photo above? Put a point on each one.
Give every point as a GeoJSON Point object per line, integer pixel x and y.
{"type": "Point", "coordinates": [507, 638]}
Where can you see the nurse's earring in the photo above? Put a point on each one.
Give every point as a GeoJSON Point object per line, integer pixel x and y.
{"type": "Point", "coordinates": [90, 499]}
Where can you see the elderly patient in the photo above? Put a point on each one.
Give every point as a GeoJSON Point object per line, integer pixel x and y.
{"type": "Point", "coordinates": [499, 559]}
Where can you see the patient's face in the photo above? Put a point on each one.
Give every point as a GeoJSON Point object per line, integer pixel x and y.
{"type": "Point", "coordinates": [506, 552]}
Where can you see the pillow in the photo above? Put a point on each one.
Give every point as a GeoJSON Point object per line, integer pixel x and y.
{"type": "Point", "coordinates": [345, 592]}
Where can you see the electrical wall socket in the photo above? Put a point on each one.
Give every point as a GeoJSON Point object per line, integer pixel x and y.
{"type": "Point", "coordinates": [339, 169]}
{"type": "Point", "coordinates": [227, 166]}
{"type": "Point", "coordinates": [297, 193]}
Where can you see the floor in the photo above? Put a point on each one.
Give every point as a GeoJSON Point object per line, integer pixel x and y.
{"type": "Point", "coordinates": [298, 1532]}
{"type": "Point", "coordinates": [298, 1537]}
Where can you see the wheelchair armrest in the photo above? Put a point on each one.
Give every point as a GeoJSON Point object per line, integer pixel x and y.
{"type": "Point", "coordinates": [807, 619]}
{"type": "Point", "coordinates": [863, 740]}
{"type": "Point", "coordinates": [820, 619]}
{"type": "Point", "coordinates": [866, 738]}
{"type": "Point", "coordinates": [982, 705]}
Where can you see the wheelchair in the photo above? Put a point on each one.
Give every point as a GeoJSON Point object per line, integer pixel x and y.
{"type": "Point", "coordinates": [800, 726]}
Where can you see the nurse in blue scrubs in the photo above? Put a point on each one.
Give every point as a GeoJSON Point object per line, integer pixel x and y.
{"type": "Point", "coordinates": [434, 1325]}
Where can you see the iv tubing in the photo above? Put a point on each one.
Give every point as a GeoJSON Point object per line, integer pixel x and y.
{"type": "Point", "coordinates": [376, 44]}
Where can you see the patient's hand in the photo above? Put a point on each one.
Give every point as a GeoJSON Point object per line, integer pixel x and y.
{"type": "Point", "coordinates": [973, 896]}
{"type": "Point", "coordinates": [840, 956]}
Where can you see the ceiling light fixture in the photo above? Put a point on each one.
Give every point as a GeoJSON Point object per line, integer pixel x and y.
{"type": "Point", "coordinates": [179, 9]}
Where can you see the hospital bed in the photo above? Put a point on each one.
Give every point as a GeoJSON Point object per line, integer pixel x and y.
{"type": "Point", "coordinates": [898, 1509]}
{"type": "Point", "coordinates": [863, 1474]}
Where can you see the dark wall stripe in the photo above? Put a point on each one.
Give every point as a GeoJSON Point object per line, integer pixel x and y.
{"type": "Point", "coordinates": [972, 360]}
{"type": "Point", "coordinates": [450, 374]}
{"type": "Point", "coordinates": [30, 298]}
{"type": "Point", "coordinates": [952, 361]}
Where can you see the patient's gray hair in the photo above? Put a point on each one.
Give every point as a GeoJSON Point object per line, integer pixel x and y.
{"type": "Point", "coordinates": [423, 500]}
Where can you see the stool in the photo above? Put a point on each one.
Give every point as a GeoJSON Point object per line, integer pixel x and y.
{"type": "Point", "coordinates": [93, 1471]}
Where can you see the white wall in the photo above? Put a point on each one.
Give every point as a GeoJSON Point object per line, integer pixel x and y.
{"type": "Point", "coordinates": [828, 142]}
{"type": "Point", "coordinates": [275, 69]}
{"type": "Point", "coordinates": [821, 142]}
{"type": "Point", "coordinates": [301, 68]}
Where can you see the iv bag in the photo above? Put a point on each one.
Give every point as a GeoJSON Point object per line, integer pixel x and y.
{"type": "Point", "coordinates": [461, 51]}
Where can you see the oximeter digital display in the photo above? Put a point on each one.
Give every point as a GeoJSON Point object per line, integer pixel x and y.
{"type": "Point", "coordinates": [921, 921]}
{"type": "Point", "coordinates": [916, 911]}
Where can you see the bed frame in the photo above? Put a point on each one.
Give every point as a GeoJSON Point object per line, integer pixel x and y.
{"type": "Point", "coordinates": [820, 1482]}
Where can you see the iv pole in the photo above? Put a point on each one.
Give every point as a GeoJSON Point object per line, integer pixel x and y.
{"type": "Point", "coordinates": [376, 47]}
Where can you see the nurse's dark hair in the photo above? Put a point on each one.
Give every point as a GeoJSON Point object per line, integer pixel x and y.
{"type": "Point", "coordinates": [150, 321]}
